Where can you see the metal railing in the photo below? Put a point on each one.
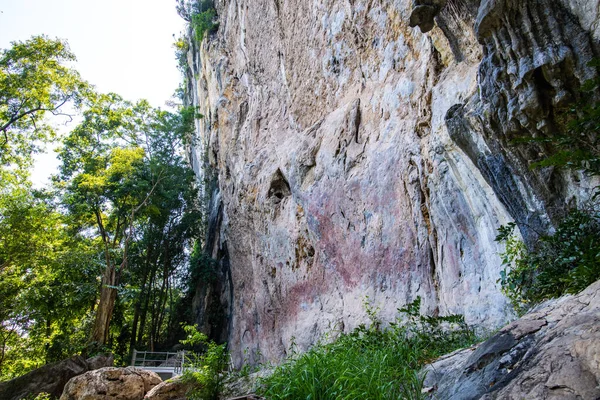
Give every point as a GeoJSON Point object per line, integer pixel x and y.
{"type": "Point", "coordinates": [166, 362]}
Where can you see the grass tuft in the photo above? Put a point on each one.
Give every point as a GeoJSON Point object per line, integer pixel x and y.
{"type": "Point", "coordinates": [370, 362]}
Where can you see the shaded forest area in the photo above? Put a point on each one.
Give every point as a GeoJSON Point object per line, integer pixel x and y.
{"type": "Point", "coordinates": [99, 260]}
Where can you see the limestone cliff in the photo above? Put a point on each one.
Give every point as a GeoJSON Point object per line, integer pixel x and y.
{"type": "Point", "coordinates": [350, 155]}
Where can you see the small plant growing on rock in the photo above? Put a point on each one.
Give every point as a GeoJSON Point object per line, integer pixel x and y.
{"type": "Point", "coordinates": [579, 146]}
{"type": "Point", "coordinates": [40, 396]}
{"type": "Point", "coordinates": [181, 47]}
{"type": "Point", "coordinates": [204, 23]}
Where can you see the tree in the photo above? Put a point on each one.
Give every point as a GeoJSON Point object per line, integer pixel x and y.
{"type": "Point", "coordinates": [45, 276]}
{"type": "Point", "coordinates": [34, 80]}
{"type": "Point", "coordinates": [105, 187]}
{"type": "Point", "coordinates": [170, 223]}
{"type": "Point", "coordinates": [123, 173]}
{"type": "Point", "coordinates": [101, 256]}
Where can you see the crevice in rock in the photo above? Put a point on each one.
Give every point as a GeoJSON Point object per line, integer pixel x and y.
{"type": "Point", "coordinates": [279, 188]}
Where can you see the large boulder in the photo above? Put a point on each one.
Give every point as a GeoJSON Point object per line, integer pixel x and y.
{"type": "Point", "coordinates": [111, 384]}
{"type": "Point", "coordinates": [552, 352]}
{"type": "Point", "coordinates": [50, 378]}
{"type": "Point", "coordinates": [172, 389]}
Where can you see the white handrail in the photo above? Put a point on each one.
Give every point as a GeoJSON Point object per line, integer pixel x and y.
{"type": "Point", "coordinates": [159, 361]}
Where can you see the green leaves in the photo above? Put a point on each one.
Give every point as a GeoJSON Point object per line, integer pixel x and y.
{"type": "Point", "coordinates": [113, 232]}
{"type": "Point", "coordinates": [565, 262]}
{"type": "Point", "coordinates": [575, 141]}
{"type": "Point", "coordinates": [204, 22]}
{"type": "Point", "coordinates": [204, 371]}
{"type": "Point", "coordinates": [34, 80]}
{"type": "Point", "coordinates": [47, 282]}
{"type": "Point", "coordinates": [370, 362]}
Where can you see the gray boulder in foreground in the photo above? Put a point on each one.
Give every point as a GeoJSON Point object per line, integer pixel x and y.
{"type": "Point", "coordinates": [553, 352]}
{"type": "Point", "coordinates": [50, 378]}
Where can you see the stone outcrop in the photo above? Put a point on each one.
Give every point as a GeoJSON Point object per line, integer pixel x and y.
{"type": "Point", "coordinates": [111, 384]}
{"type": "Point", "coordinates": [535, 57]}
{"type": "Point", "coordinates": [172, 389]}
{"type": "Point", "coordinates": [51, 378]}
{"type": "Point", "coordinates": [349, 155]}
{"type": "Point", "coordinates": [553, 352]}
{"type": "Point", "coordinates": [424, 12]}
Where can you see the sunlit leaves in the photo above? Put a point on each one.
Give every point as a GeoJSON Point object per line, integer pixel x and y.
{"type": "Point", "coordinates": [47, 279]}
{"type": "Point", "coordinates": [35, 79]}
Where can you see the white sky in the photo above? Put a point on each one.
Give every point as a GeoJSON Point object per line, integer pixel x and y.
{"type": "Point", "coordinates": [122, 46]}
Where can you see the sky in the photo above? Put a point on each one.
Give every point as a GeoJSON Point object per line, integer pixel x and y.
{"type": "Point", "coordinates": [122, 46]}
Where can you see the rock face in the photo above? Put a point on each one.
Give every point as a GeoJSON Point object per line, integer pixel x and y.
{"type": "Point", "coordinates": [50, 378]}
{"type": "Point", "coordinates": [552, 352]}
{"type": "Point", "coordinates": [111, 384]}
{"type": "Point", "coordinates": [349, 155]}
{"type": "Point", "coordinates": [173, 389]}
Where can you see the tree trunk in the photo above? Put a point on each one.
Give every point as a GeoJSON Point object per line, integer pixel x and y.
{"type": "Point", "coordinates": [138, 306]}
{"type": "Point", "coordinates": [108, 295]}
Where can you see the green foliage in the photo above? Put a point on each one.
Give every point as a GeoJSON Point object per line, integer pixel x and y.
{"type": "Point", "coordinates": [370, 362]}
{"type": "Point", "coordinates": [187, 8]}
{"type": "Point", "coordinates": [43, 396]}
{"type": "Point", "coordinates": [565, 262]}
{"type": "Point", "coordinates": [111, 238]}
{"type": "Point", "coordinates": [204, 22]}
{"type": "Point", "coordinates": [124, 180]}
{"type": "Point", "coordinates": [181, 50]}
{"type": "Point", "coordinates": [206, 371]}
{"type": "Point", "coordinates": [40, 396]}
{"type": "Point", "coordinates": [47, 283]}
{"type": "Point", "coordinates": [125, 200]}
{"type": "Point", "coordinates": [202, 268]}
{"type": "Point", "coordinates": [34, 81]}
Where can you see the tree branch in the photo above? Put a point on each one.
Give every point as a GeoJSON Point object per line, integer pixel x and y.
{"type": "Point", "coordinates": [16, 116]}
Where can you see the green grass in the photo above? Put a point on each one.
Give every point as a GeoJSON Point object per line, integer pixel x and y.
{"type": "Point", "coordinates": [370, 363]}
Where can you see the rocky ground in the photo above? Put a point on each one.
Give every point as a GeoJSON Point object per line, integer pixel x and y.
{"type": "Point", "coordinates": [553, 352]}
{"type": "Point", "coordinates": [51, 378]}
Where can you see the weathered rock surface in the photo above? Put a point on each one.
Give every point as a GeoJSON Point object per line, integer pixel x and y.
{"type": "Point", "coordinates": [553, 352]}
{"type": "Point", "coordinates": [50, 378]}
{"type": "Point", "coordinates": [240, 386]}
{"type": "Point", "coordinates": [351, 155]}
{"type": "Point", "coordinates": [172, 389]}
{"type": "Point", "coordinates": [111, 384]}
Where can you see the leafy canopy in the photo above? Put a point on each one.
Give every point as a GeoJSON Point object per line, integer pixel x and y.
{"type": "Point", "coordinates": [99, 259]}
{"type": "Point", "coordinates": [35, 79]}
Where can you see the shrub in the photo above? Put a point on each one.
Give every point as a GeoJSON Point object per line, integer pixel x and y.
{"type": "Point", "coordinates": [205, 371]}
{"type": "Point", "coordinates": [565, 262]}
{"type": "Point", "coordinates": [203, 22]}
{"type": "Point", "coordinates": [181, 49]}
{"type": "Point", "coordinates": [370, 362]}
